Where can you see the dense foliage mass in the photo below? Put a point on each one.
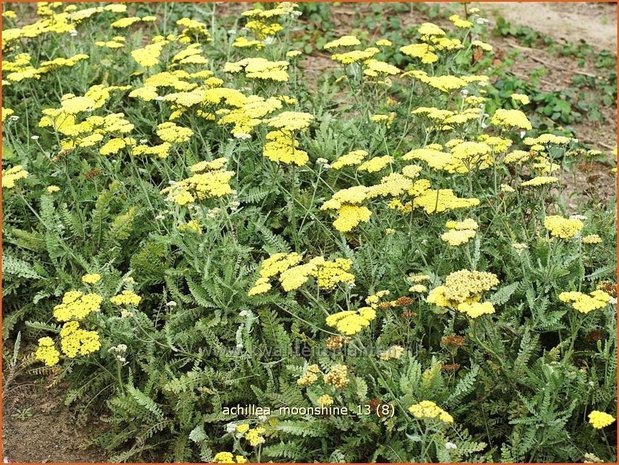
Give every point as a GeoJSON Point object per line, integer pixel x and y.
{"type": "Point", "coordinates": [234, 256]}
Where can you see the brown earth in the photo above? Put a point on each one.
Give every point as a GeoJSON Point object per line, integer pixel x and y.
{"type": "Point", "coordinates": [39, 428]}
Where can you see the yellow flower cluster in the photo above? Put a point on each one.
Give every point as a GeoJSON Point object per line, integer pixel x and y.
{"type": "Point", "coordinates": [54, 23]}
{"type": "Point", "coordinates": [592, 239]}
{"type": "Point", "coordinates": [92, 278]}
{"type": "Point", "coordinates": [173, 134]}
{"type": "Point", "coordinates": [76, 306]}
{"type": "Point", "coordinates": [328, 273]}
{"type": "Point", "coordinates": [209, 180]}
{"type": "Point", "coordinates": [352, 158]}
{"type": "Point", "coordinates": [260, 68]}
{"type": "Point", "coordinates": [350, 322]}
{"type": "Point", "coordinates": [10, 176]}
{"type": "Point", "coordinates": [337, 376]}
{"type": "Point", "coordinates": [21, 68]}
{"type": "Point", "coordinates": [511, 119]}
{"type": "Point", "coordinates": [92, 130]}
{"type": "Point", "coordinates": [76, 341]}
{"type": "Point", "coordinates": [325, 400]}
{"type": "Point", "coordinates": [463, 290]}
{"type": "Point", "coordinates": [255, 436]}
{"type": "Point", "coordinates": [227, 457]}
{"type": "Point", "coordinates": [564, 228]}
{"type": "Point", "coordinates": [349, 211]}
{"type": "Point", "coordinates": [460, 232]}
{"type": "Point", "coordinates": [540, 181]}
{"type": "Point", "coordinates": [584, 303]}
{"type": "Point", "coordinates": [47, 352]}
{"type": "Point", "coordinates": [427, 409]}
{"type": "Point", "coordinates": [310, 376]}
{"type": "Point", "coordinates": [126, 297]}
{"type": "Point", "coordinates": [600, 420]}
{"type": "Point", "coordinates": [282, 145]}
{"type": "Point", "coordinates": [392, 353]}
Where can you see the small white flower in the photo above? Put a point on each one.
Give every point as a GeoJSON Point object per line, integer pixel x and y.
{"type": "Point", "coordinates": [322, 161]}
{"type": "Point", "coordinates": [171, 303]}
{"type": "Point", "coordinates": [230, 428]}
{"type": "Point", "coordinates": [159, 98]}
{"type": "Point", "coordinates": [450, 445]}
{"type": "Point", "coordinates": [35, 137]}
{"type": "Point", "coordinates": [73, 33]}
{"type": "Point", "coordinates": [13, 118]}
{"type": "Point", "coordinates": [143, 141]}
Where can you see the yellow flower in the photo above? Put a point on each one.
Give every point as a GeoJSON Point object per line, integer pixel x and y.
{"type": "Point", "coordinates": [223, 457]}
{"type": "Point", "coordinates": [600, 420]}
{"type": "Point", "coordinates": [592, 239]}
{"type": "Point", "coordinates": [427, 409]}
{"type": "Point", "coordinates": [520, 98]}
{"type": "Point", "coordinates": [476, 309]}
{"type": "Point", "coordinates": [254, 436]}
{"type": "Point", "coordinates": [376, 164]}
{"type": "Point", "coordinates": [337, 376]}
{"type": "Point", "coordinates": [392, 353]}
{"type": "Point", "coordinates": [345, 41]}
{"type": "Point", "coordinates": [77, 306]}
{"type": "Point", "coordinates": [310, 376]}
{"type": "Point", "coordinates": [351, 322]}
{"type": "Point", "coordinates": [351, 158]}
{"type": "Point", "coordinates": [584, 303]}
{"type": "Point", "coordinates": [126, 297]}
{"type": "Point", "coordinates": [75, 341]}
{"type": "Point", "coordinates": [171, 133]}
{"type": "Point", "coordinates": [540, 181]}
{"type": "Point", "coordinates": [47, 352]}
{"type": "Point", "coordinates": [10, 176]}
{"type": "Point", "coordinates": [91, 278]}
{"type": "Point", "coordinates": [242, 428]}
{"type": "Point", "coordinates": [325, 400]}
{"type": "Point", "coordinates": [458, 237]}
{"type": "Point", "coordinates": [510, 119]}
{"type": "Point", "coordinates": [51, 189]}
{"type": "Point", "coordinates": [564, 228]}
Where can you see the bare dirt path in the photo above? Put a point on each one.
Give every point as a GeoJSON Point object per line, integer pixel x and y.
{"type": "Point", "coordinates": [592, 23]}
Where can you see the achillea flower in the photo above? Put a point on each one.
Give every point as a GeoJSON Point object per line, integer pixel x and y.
{"type": "Point", "coordinates": [592, 239]}
{"type": "Point", "coordinates": [47, 352]}
{"type": "Point", "coordinates": [325, 400]}
{"type": "Point", "coordinates": [600, 420]}
{"type": "Point", "coordinates": [427, 409]}
{"type": "Point", "coordinates": [92, 278]}
{"type": "Point", "coordinates": [310, 376]}
{"type": "Point", "coordinates": [392, 353]}
{"type": "Point", "coordinates": [345, 41]}
{"type": "Point", "coordinates": [76, 306]}
{"type": "Point", "coordinates": [128, 298]}
{"type": "Point", "coordinates": [564, 228]}
{"type": "Point", "coordinates": [75, 341]}
{"type": "Point", "coordinates": [584, 303]}
{"type": "Point", "coordinates": [350, 322]}
{"type": "Point", "coordinates": [513, 119]}
{"type": "Point", "coordinates": [337, 376]}
{"type": "Point", "coordinates": [351, 158]}
{"type": "Point", "coordinates": [540, 181]}
{"type": "Point", "coordinates": [12, 175]}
